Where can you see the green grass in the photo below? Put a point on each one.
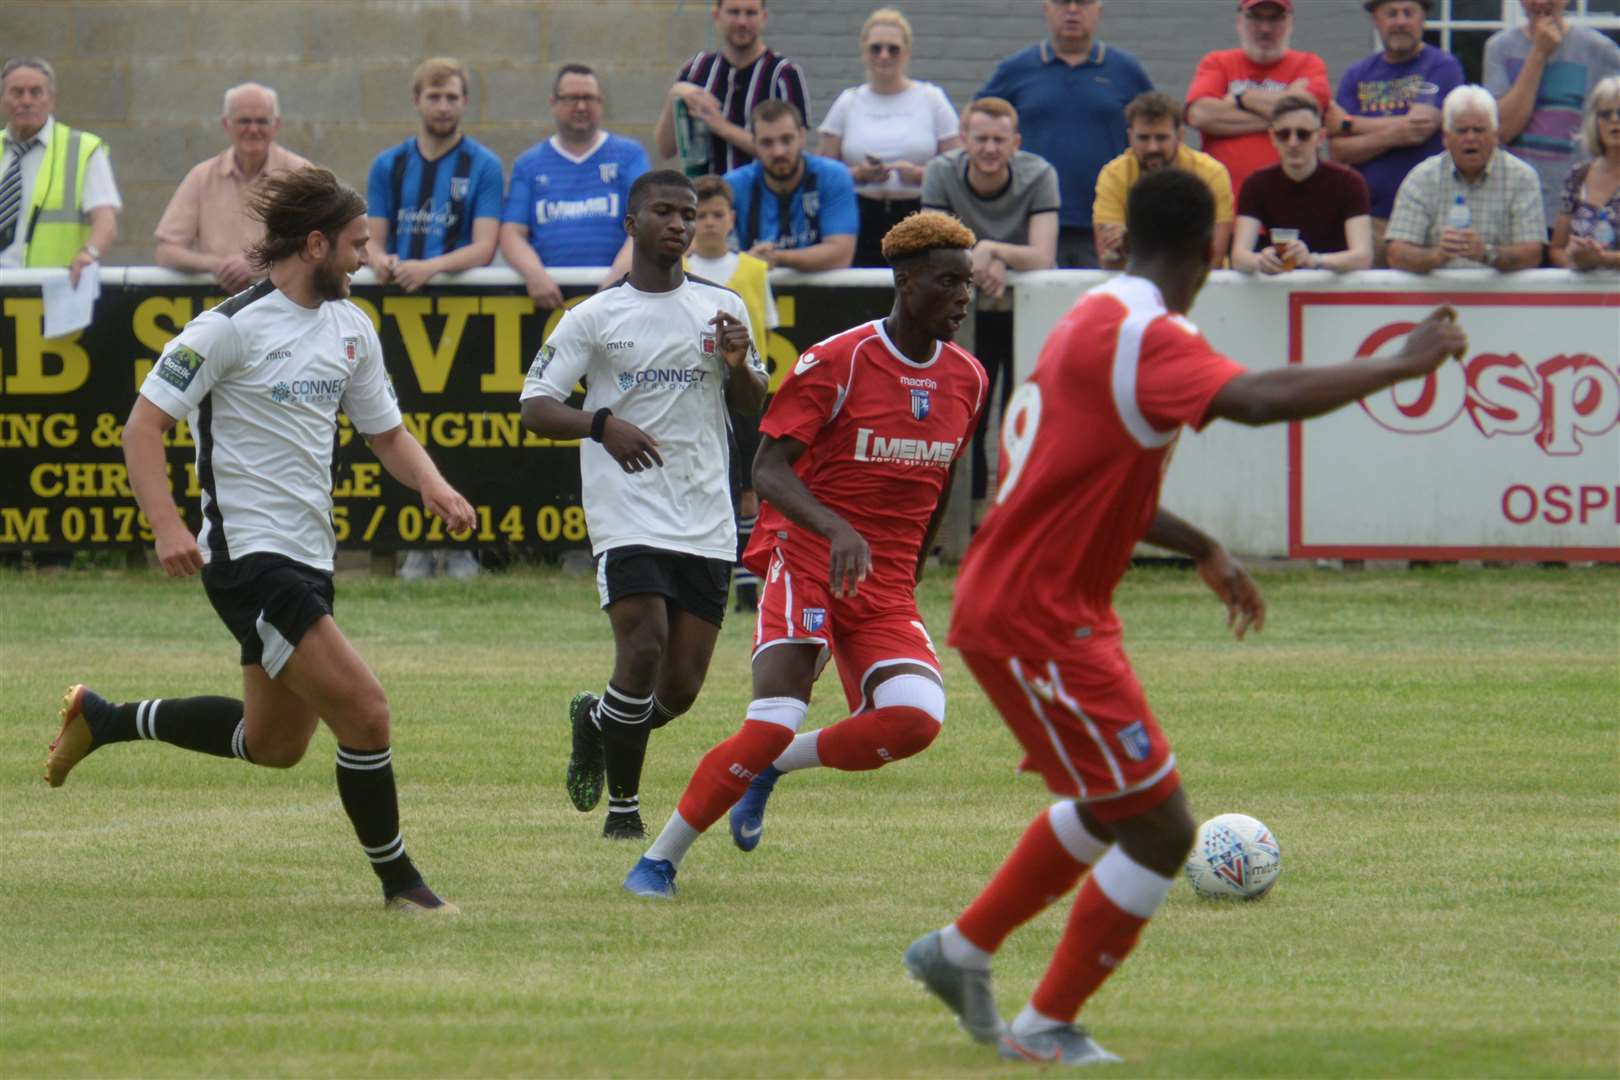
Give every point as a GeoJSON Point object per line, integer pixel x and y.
{"type": "Point", "coordinates": [1436, 751]}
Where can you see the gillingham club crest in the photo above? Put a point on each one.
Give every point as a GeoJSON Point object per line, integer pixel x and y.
{"type": "Point", "coordinates": [919, 404]}
{"type": "Point", "coordinates": [813, 619]}
{"type": "Point", "coordinates": [609, 171]}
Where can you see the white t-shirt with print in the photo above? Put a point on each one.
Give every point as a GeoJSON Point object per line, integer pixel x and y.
{"type": "Point", "coordinates": [260, 379]}
{"type": "Point", "coordinates": [653, 359]}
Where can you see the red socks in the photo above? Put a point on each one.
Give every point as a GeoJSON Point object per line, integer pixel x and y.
{"type": "Point", "coordinates": [873, 739]}
{"type": "Point", "coordinates": [725, 771]}
{"type": "Point", "coordinates": [1039, 871]}
{"type": "Point", "coordinates": [1115, 902]}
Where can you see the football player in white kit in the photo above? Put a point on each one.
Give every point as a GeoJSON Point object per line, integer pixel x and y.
{"type": "Point", "coordinates": [663, 355]}
{"type": "Point", "coordinates": [260, 379]}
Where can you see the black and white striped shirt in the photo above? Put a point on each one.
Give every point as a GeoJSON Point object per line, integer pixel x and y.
{"type": "Point", "coordinates": [739, 90]}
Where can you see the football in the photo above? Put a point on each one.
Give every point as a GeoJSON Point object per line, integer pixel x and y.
{"type": "Point", "coordinates": [1234, 857]}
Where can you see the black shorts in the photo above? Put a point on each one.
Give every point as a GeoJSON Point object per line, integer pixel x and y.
{"type": "Point", "coordinates": [269, 602]}
{"type": "Point", "coordinates": [692, 583]}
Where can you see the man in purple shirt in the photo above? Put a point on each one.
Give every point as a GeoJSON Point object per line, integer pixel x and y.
{"type": "Point", "coordinates": [1390, 125]}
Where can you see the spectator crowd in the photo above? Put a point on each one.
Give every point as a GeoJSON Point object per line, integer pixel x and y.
{"type": "Point", "coordinates": [1402, 165]}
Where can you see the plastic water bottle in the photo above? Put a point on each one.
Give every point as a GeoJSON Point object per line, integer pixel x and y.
{"type": "Point", "coordinates": [1603, 231]}
{"type": "Point", "coordinates": [691, 141]}
{"type": "Point", "coordinates": [1459, 216]}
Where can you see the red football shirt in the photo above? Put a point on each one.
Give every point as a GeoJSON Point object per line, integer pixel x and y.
{"type": "Point", "coordinates": [1228, 70]}
{"type": "Point", "coordinates": [1084, 446]}
{"type": "Point", "coordinates": [882, 433]}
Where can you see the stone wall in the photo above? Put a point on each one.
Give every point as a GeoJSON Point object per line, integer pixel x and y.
{"type": "Point", "coordinates": [149, 74]}
{"type": "Point", "coordinates": [957, 43]}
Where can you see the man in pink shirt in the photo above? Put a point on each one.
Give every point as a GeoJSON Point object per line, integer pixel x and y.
{"type": "Point", "coordinates": [1234, 90]}
{"type": "Point", "coordinates": [206, 228]}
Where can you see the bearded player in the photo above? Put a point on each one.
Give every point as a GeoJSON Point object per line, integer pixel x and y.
{"type": "Point", "coordinates": [855, 465]}
{"type": "Point", "coordinates": [262, 377]}
{"type": "Point", "coordinates": [1084, 445]}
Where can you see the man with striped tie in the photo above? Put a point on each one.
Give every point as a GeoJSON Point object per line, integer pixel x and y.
{"type": "Point", "coordinates": [58, 201]}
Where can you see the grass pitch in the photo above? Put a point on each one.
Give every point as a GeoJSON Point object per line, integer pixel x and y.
{"type": "Point", "coordinates": [1435, 750]}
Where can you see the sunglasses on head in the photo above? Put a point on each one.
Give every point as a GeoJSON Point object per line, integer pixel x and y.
{"type": "Point", "coordinates": [1293, 134]}
{"type": "Point", "coordinates": [883, 48]}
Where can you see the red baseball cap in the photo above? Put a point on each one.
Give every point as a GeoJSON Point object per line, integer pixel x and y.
{"type": "Point", "coordinates": [1286, 5]}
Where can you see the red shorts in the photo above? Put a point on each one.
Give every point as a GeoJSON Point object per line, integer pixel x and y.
{"type": "Point", "coordinates": [864, 632]}
{"type": "Point", "coordinates": [1085, 725]}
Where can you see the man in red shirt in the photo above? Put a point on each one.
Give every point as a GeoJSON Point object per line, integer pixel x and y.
{"type": "Point", "coordinates": [857, 453]}
{"type": "Point", "coordinates": [1084, 444]}
{"type": "Point", "coordinates": [1234, 91]}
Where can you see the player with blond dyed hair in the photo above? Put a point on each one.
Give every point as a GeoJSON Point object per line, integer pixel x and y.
{"type": "Point", "coordinates": [858, 452]}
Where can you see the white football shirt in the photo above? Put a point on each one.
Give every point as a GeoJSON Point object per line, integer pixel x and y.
{"type": "Point", "coordinates": [653, 359]}
{"type": "Point", "coordinates": [261, 380]}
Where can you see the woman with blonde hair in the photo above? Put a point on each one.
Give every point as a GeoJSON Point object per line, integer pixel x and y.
{"type": "Point", "coordinates": [1586, 235]}
{"type": "Point", "coordinates": [886, 130]}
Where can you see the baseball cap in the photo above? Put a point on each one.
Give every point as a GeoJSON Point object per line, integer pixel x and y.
{"type": "Point", "coordinates": [1372, 5]}
{"type": "Point", "coordinates": [1286, 5]}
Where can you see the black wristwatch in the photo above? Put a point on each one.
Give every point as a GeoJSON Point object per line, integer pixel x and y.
{"type": "Point", "coordinates": [1344, 126]}
{"type": "Point", "coordinates": [1237, 99]}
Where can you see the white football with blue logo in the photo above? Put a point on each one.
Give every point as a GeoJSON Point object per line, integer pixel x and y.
{"type": "Point", "coordinates": [1234, 858]}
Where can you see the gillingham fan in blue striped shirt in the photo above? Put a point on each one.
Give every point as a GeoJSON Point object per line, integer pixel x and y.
{"type": "Point", "coordinates": [430, 206]}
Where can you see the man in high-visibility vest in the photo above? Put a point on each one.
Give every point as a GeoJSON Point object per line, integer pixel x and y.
{"type": "Point", "coordinates": [58, 201]}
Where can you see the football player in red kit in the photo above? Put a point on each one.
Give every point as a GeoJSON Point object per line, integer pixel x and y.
{"type": "Point", "coordinates": [1084, 445]}
{"type": "Point", "coordinates": [854, 468]}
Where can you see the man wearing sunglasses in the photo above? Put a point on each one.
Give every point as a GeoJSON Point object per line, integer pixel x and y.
{"type": "Point", "coordinates": [1235, 91]}
{"type": "Point", "coordinates": [1322, 204]}
{"type": "Point", "coordinates": [207, 228]}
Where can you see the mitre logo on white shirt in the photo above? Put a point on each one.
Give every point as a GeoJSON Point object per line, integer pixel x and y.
{"type": "Point", "coordinates": [261, 380]}
{"type": "Point", "coordinates": [652, 358]}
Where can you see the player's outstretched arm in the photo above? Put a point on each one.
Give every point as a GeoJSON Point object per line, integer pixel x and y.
{"type": "Point", "coordinates": [1297, 392]}
{"type": "Point", "coordinates": [850, 558]}
{"type": "Point", "coordinates": [407, 462]}
{"type": "Point", "coordinates": [1223, 574]}
{"type": "Point", "coordinates": [145, 459]}
{"type": "Point", "coordinates": [631, 447]}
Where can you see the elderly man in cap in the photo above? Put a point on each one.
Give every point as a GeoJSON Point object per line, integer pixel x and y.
{"type": "Point", "coordinates": [207, 228]}
{"type": "Point", "coordinates": [1234, 91]}
{"type": "Point", "coordinates": [1498, 193]}
{"type": "Point", "coordinates": [1390, 105]}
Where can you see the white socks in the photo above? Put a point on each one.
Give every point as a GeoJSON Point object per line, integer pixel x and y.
{"type": "Point", "coordinates": [800, 754]}
{"type": "Point", "coordinates": [962, 952]}
{"type": "Point", "coordinates": [673, 842]}
{"type": "Point", "coordinates": [1028, 1022]}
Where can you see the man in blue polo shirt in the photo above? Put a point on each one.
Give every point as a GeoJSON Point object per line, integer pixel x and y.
{"type": "Point", "coordinates": [569, 194]}
{"type": "Point", "coordinates": [794, 210]}
{"type": "Point", "coordinates": [434, 201]}
{"type": "Point", "coordinates": [1070, 93]}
